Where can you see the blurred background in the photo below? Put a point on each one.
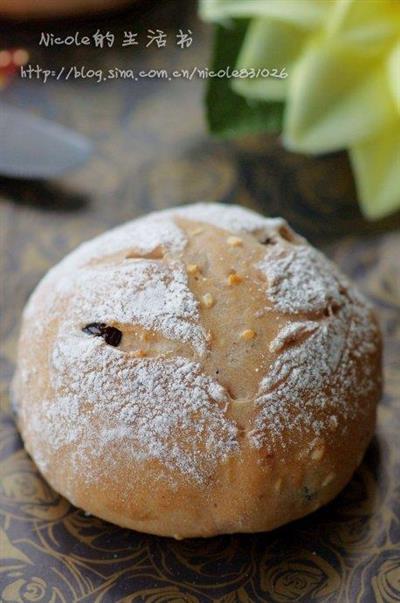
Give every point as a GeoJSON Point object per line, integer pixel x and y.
{"type": "Point", "coordinates": [149, 147]}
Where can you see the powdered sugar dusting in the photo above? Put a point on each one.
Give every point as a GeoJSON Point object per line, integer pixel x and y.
{"type": "Point", "coordinates": [230, 217]}
{"type": "Point", "coordinates": [301, 279]}
{"type": "Point", "coordinates": [315, 370]}
{"type": "Point", "coordinates": [150, 293]}
{"type": "Point", "coordinates": [144, 235]}
{"type": "Point", "coordinates": [107, 396]}
{"type": "Point", "coordinates": [316, 376]}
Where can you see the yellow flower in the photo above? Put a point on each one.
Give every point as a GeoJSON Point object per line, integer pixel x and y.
{"type": "Point", "coordinates": [343, 86]}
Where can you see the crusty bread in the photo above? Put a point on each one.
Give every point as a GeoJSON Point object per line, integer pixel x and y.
{"type": "Point", "coordinates": [198, 371]}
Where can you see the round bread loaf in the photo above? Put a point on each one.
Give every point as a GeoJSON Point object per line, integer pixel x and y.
{"type": "Point", "coordinates": [198, 371]}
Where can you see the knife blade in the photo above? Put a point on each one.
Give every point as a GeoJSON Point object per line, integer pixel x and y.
{"type": "Point", "coordinates": [34, 147]}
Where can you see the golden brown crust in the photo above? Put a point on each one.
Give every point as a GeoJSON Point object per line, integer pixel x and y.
{"type": "Point", "coordinates": [241, 396]}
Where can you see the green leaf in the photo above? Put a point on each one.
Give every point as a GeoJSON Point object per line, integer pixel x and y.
{"type": "Point", "coordinates": [228, 113]}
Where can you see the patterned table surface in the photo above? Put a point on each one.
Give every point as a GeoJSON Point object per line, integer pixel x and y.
{"type": "Point", "coordinates": [153, 151]}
